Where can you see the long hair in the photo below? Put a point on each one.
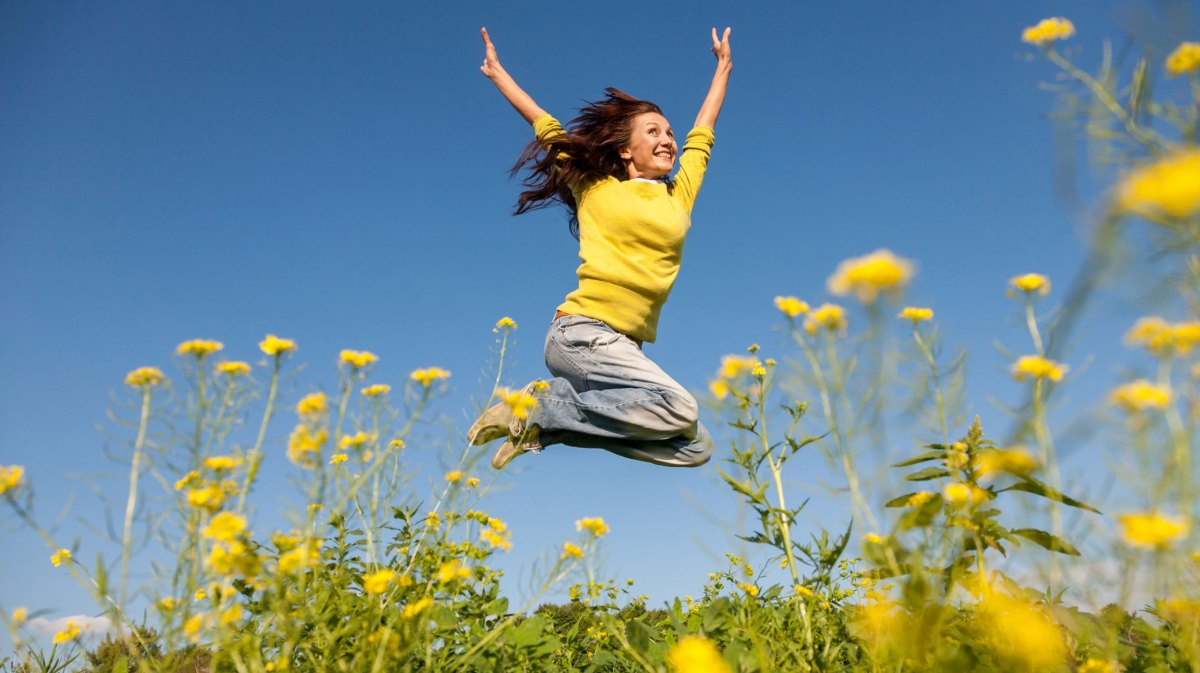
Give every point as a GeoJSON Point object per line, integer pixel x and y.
{"type": "Point", "coordinates": [590, 150]}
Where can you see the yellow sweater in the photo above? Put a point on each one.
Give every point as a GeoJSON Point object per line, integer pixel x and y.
{"type": "Point", "coordinates": [631, 235]}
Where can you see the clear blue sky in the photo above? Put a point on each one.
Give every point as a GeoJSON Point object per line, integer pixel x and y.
{"type": "Point", "coordinates": [338, 175]}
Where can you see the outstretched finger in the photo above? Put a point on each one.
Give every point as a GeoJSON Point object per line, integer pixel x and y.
{"type": "Point", "coordinates": [487, 41]}
{"type": "Point", "coordinates": [714, 36]}
{"type": "Point", "coordinates": [725, 37]}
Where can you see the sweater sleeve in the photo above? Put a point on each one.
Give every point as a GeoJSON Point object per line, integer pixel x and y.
{"type": "Point", "coordinates": [547, 127]}
{"type": "Point", "coordinates": [693, 163]}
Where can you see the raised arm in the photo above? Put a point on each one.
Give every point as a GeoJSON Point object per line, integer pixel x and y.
{"type": "Point", "coordinates": [521, 102]}
{"type": "Point", "coordinates": [716, 91]}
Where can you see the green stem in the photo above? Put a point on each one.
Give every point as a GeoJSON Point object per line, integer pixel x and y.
{"type": "Point", "coordinates": [255, 457]}
{"type": "Point", "coordinates": [131, 500]}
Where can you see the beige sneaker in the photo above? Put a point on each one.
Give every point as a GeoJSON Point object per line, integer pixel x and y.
{"type": "Point", "coordinates": [493, 424]}
{"type": "Point", "coordinates": [514, 446]}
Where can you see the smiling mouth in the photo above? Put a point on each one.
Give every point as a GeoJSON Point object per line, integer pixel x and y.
{"type": "Point", "coordinates": [665, 155]}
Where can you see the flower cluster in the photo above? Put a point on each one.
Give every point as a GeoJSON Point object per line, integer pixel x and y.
{"type": "Point", "coordinates": [357, 359]}
{"type": "Point", "coordinates": [1037, 367]}
{"type": "Point", "coordinates": [10, 478]}
{"type": "Point", "coordinates": [428, 376]}
{"type": "Point", "coordinates": [1048, 31]}
{"type": "Point", "coordinates": [1162, 338]}
{"type": "Point", "coordinates": [1168, 188]}
{"type": "Point", "coordinates": [275, 346]}
{"type": "Point", "coordinates": [868, 276]}
{"type": "Point", "coordinates": [144, 377]}
{"type": "Point", "coordinates": [1184, 60]}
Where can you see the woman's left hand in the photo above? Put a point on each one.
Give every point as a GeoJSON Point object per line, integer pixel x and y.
{"type": "Point", "coordinates": [720, 48]}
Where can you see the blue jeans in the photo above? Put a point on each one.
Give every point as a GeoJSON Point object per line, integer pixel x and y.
{"type": "Point", "coordinates": [606, 394]}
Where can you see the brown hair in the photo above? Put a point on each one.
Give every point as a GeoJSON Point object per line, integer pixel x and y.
{"type": "Point", "coordinates": [590, 150]}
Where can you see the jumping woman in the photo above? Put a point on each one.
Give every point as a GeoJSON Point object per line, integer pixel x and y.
{"type": "Point", "coordinates": [611, 167]}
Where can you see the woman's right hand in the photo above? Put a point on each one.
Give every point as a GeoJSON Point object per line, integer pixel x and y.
{"type": "Point", "coordinates": [491, 62]}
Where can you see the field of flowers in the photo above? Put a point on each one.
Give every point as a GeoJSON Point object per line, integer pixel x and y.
{"type": "Point", "coordinates": [372, 579]}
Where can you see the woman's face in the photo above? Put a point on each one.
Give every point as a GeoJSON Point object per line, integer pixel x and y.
{"type": "Point", "coordinates": [652, 149]}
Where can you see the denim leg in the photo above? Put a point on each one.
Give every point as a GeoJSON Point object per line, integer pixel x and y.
{"type": "Point", "coordinates": [607, 394]}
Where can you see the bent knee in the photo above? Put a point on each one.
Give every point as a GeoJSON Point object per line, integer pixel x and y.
{"type": "Point", "coordinates": [685, 412]}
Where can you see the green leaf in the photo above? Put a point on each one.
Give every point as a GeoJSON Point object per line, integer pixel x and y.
{"type": "Point", "coordinates": [640, 636]}
{"type": "Point", "coordinates": [1031, 485]}
{"type": "Point", "coordinates": [744, 487]}
{"type": "Point", "coordinates": [1047, 540]}
{"type": "Point", "coordinates": [927, 456]}
{"type": "Point", "coordinates": [716, 615]}
{"type": "Point", "coordinates": [928, 473]}
{"type": "Point", "coordinates": [900, 501]}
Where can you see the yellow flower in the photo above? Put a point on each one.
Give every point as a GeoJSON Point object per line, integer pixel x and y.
{"type": "Point", "coordinates": [338, 458]}
{"type": "Point", "coordinates": [571, 550]}
{"type": "Point", "coordinates": [396, 444]}
{"type": "Point", "coordinates": [1167, 188]}
{"type": "Point", "coordinates": [960, 494]}
{"type": "Point", "coordinates": [218, 463]}
{"type": "Point", "coordinates": [413, 609]}
{"type": "Point", "coordinates": [284, 541]}
{"type": "Point", "coordinates": [207, 497]}
{"type": "Point", "coordinates": [473, 481]}
{"type": "Point", "coordinates": [803, 591]}
{"type": "Point", "coordinates": [454, 476]}
{"type": "Point", "coordinates": [230, 615]}
{"type": "Point", "coordinates": [452, 571]}
{"type": "Point", "coordinates": [1185, 336]}
{"type": "Point", "coordinates": [595, 525]}
{"type": "Point", "coordinates": [865, 277]}
{"type": "Point", "coordinates": [518, 401]}
{"type": "Point", "coordinates": [1185, 59]}
{"type": "Point", "coordinates": [10, 478]}
{"type": "Point", "coordinates": [1021, 632]}
{"type": "Point", "coordinates": [377, 390]}
{"type": "Point", "coordinates": [1152, 332]}
{"type": "Point", "coordinates": [301, 558]}
{"type": "Point", "coordinates": [60, 556]}
{"type": "Point", "coordinates": [191, 628]}
{"type": "Point", "coordinates": [719, 388]}
{"type": "Point", "coordinates": [357, 359]}
{"type": "Point", "coordinates": [19, 615]}
{"type": "Point", "coordinates": [733, 365]}
{"type": "Point", "coordinates": [1151, 530]}
{"type": "Point", "coordinates": [1048, 31]}
{"type": "Point", "coordinates": [377, 582]}
{"type": "Point", "coordinates": [313, 404]}
{"type": "Point", "coordinates": [356, 440]}
{"type": "Point", "coordinates": [919, 498]}
{"type": "Point", "coordinates": [235, 558]}
{"type": "Point", "coordinates": [1094, 665]}
{"type": "Point", "coordinates": [750, 589]}
{"type": "Point", "coordinates": [201, 594]}
{"type": "Point", "coordinates": [144, 377]}
{"type": "Point", "coordinates": [426, 377]}
{"type": "Point", "coordinates": [829, 316]}
{"type": "Point", "coordinates": [166, 603]}
{"type": "Point", "coordinates": [199, 347]}
{"type": "Point", "coordinates": [872, 538]}
{"type": "Point", "coordinates": [71, 632]}
{"type": "Point", "coordinates": [916, 314]}
{"type": "Point", "coordinates": [696, 654]}
{"type": "Point", "coordinates": [496, 539]}
{"type": "Point", "coordinates": [235, 368]}
{"type": "Point", "coordinates": [304, 445]}
{"type": "Point", "coordinates": [225, 527]}
{"type": "Point", "coordinates": [758, 372]}
{"type": "Point", "coordinates": [1140, 395]}
{"type": "Point", "coordinates": [187, 480]}
{"type": "Point", "coordinates": [273, 345]}
{"type": "Point", "coordinates": [791, 306]}
{"type": "Point", "coordinates": [1014, 461]}
{"type": "Point", "coordinates": [506, 323]}
{"type": "Point", "coordinates": [1031, 283]}
{"type": "Point", "coordinates": [1037, 367]}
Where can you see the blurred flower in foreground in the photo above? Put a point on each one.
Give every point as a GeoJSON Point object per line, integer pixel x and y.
{"type": "Point", "coordinates": [357, 359]}
{"type": "Point", "coordinates": [377, 390]}
{"type": "Point", "coordinates": [235, 368]}
{"type": "Point", "coordinates": [916, 314]}
{"type": "Point", "coordinates": [71, 632]}
{"type": "Point", "coordinates": [225, 527]}
{"type": "Point", "coordinates": [1140, 395]}
{"type": "Point", "coordinates": [218, 463]}
{"type": "Point", "coordinates": [1021, 632]}
{"type": "Point", "coordinates": [791, 306]}
{"type": "Point", "coordinates": [199, 347]}
{"type": "Point", "coordinates": [828, 316]}
{"type": "Point", "coordinates": [413, 609]}
{"type": "Point", "coordinates": [1013, 461]}
{"type": "Point", "coordinates": [1151, 530]}
{"type": "Point", "coordinates": [867, 276]}
{"type": "Point", "coordinates": [1167, 188]}
{"type": "Point", "coordinates": [696, 654]}
{"type": "Point", "coordinates": [958, 493]}
{"type": "Point", "coordinates": [1048, 31]}
{"type": "Point", "coordinates": [506, 323]}
{"type": "Point", "coordinates": [595, 525]}
{"type": "Point", "coordinates": [377, 582]}
{"type": "Point", "coordinates": [144, 376]}
{"type": "Point", "coordinates": [519, 401]}
{"type": "Point", "coordinates": [273, 345]}
{"type": "Point", "coordinates": [1185, 59]}
{"type": "Point", "coordinates": [10, 478]}
{"type": "Point", "coordinates": [60, 556]}
{"type": "Point", "coordinates": [1031, 283]}
{"type": "Point", "coordinates": [426, 377]}
{"type": "Point", "coordinates": [1037, 367]}
{"type": "Point", "coordinates": [571, 551]}
{"type": "Point", "coordinates": [312, 404]}
{"type": "Point", "coordinates": [452, 571]}
{"type": "Point", "coordinates": [1162, 338]}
